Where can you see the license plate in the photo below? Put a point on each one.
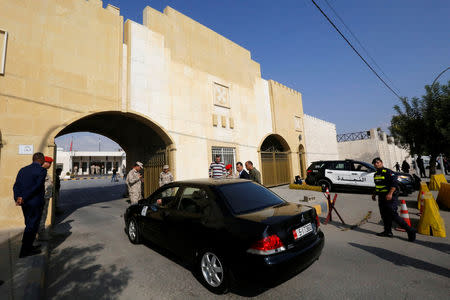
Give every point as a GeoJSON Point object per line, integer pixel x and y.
{"type": "Point", "coordinates": [304, 230]}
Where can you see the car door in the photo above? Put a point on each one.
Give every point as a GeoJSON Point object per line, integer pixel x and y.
{"type": "Point", "coordinates": [339, 172]}
{"type": "Point", "coordinates": [154, 214]}
{"type": "Point", "coordinates": [187, 222]}
{"type": "Point", "coordinates": [362, 175]}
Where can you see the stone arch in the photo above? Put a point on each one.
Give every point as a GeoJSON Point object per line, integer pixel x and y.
{"type": "Point", "coordinates": [141, 138]}
{"type": "Point", "coordinates": [275, 160]}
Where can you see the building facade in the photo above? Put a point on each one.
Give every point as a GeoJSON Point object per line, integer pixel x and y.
{"type": "Point", "coordinates": [365, 146]}
{"type": "Point", "coordinates": [79, 163]}
{"type": "Point", "coordinates": [169, 90]}
{"type": "Point", "coordinates": [321, 143]}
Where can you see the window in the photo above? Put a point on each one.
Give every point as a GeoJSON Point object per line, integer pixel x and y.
{"type": "Point", "coordinates": [227, 155]}
{"type": "Point", "coordinates": [194, 200]}
{"type": "Point", "coordinates": [3, 41]}
{"type": "Point", "coordinates": [84, 166]}
{"type": "Point", "coordinates": [360, 167]}
{"type": "Point", "coordinates": [340, 165]}
{"type": "Point", "coordinates": [165, 198]}
{"type": "Point", "coordinates": [108, 166]}
{"type": "Point", "coordinates": [248, 197]}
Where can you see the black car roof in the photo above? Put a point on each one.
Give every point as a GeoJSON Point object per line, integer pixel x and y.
{"type": "Point", "coordinates": [211, 181]}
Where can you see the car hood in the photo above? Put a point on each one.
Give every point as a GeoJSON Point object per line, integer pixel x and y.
{"type": "Point", "coordinates": [278, 214]}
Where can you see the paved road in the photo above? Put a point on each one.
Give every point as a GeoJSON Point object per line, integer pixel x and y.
{"type": "Point", "coordinates": [93, 259]}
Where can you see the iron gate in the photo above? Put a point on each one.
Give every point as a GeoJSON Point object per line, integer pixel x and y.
{"type": "Point", "coordinates": [275, 168]}
{"type": "Point", "coordinates": [152, 169]}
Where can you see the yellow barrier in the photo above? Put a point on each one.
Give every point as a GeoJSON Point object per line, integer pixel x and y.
{"type": "Point", "coordinates": [305, 187]}
{"type": "Point", "coordinates": [444, 195]}
{"type": "Point", "coordinates": [423, 188]}
{"type": "Point", "coordinates": [436, 180]}
{"type": "Point", "coordinates": [431, 222]}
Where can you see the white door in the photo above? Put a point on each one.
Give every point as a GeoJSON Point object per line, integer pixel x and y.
{"type": "Point", "coordinates": [362, 175]}
{"type": "Point", "coordinates": [339, 173]}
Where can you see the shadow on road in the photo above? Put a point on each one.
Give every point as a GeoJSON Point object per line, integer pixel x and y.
{"type": "Point", "coordinates": [75, 273]}
{"type": "Point", "coordinates": [403, 260]}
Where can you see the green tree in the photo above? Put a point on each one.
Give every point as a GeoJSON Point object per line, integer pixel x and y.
{"type": "Point", "coordinates": [423, 125]}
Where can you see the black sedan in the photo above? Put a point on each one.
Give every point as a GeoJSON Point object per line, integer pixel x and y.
{"type": "Point", "coordinates": [227, 229]}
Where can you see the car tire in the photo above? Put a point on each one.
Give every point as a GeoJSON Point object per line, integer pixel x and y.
{"type": "Point", "coordinates": [324, 183]}
{"type": "Point", "coordinates": [133, 232]}
{"type": "Point", "coordinates": [212, 271]}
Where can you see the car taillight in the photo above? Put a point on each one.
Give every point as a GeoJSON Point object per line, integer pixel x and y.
{"type": "Point", "coordinates": [317, 221]}
{"type": "Point", "coordinates": [308, 171]}
{"type": "Point", "coordinates": [268, 245]}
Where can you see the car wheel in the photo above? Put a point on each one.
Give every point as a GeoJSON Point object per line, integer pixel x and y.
{"type": "Point", "coordinates": [133, 232]}
{"type": "Point", "coordinates": [324, 184]}
{"type": "Point", "coordinates": [212, 271]}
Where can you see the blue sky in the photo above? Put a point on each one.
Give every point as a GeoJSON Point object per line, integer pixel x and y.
{"type": "Point", "coordinates": [295, 45]}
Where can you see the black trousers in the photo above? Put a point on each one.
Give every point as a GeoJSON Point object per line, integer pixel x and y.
{"type": "Point", "coordinates": [388, 211]}
{"type": "Point", "coordinates": [422, 172]}
{"type": "Point", "coordinates": [32, 214]}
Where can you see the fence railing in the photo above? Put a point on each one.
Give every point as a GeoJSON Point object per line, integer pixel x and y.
{"type": "Point", "coordinates": [354, 136]}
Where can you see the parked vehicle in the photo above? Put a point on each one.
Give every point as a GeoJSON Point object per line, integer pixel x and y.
{"type": "Point", "coordinates": [351, 175]}
{"type": "Point", "coordinates": [228, 229]}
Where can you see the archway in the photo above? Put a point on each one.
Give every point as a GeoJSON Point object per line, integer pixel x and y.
{"type": "Point", "coordinates": [141, 139]}
{"type": "Point", "coordinates": [302, 160]}
{"type": "Point", "coordinates": [276, 167]}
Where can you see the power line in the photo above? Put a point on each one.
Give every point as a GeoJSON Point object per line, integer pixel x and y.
{"type": "Point", "coordinates": [360, 44]}
{"type": "Point", "coordinates": [356, 51]}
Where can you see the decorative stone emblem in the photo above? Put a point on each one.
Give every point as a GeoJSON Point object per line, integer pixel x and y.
{"type": "Point", "coordinates": [221, 95]}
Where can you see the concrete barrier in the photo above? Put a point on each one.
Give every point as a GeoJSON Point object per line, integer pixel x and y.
{"type": "Point", "coordinates": [436, 181]}
{"type": "Point", "coordinates": [431, 222]}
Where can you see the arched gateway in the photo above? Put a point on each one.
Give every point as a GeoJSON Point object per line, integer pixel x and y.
{"type": "Point", "coordinates": [141, 139]}
{"type": "Point", "coordinates": [276, 167]}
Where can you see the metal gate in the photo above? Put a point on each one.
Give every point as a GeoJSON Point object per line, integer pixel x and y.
{"type": "Point", "coordinates": [275, 168]}
{"type": "Point", "coordinates": [152, 169]}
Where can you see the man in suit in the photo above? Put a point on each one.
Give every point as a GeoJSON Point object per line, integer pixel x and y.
{"type": "Point", "coordinates": [29, 191]}
{"type": "Point", "coordinates": [242, 173]}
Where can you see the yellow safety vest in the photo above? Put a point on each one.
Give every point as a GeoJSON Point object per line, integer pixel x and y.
{"type": "Point", "coordinates": [380, 182]}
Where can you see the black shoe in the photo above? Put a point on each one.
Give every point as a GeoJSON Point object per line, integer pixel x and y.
{"type": "Point", "coordinates": [29, 253]}
{"type": "Point", "coordinates": [385, 234]}
{"type": "Point", "coordinates": [412, 235]}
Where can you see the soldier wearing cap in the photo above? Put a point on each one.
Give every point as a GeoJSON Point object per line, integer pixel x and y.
{"type": "Point", "coordinates": [164, 178]}
{"type": "Point", "coordinates": [134, 179]}
{"type": "Point", "coordinates": [42, 236]}
{"type": "Point", "coordinates": [386, 188]}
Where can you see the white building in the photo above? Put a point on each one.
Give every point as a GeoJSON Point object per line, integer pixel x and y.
{"type": "Point", "coordinates": [83, 162]}
{"type": "Point", "coordinates": [320, 139]}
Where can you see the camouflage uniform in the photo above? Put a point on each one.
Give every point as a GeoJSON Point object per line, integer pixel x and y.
{"type": "Point", "coordinates": [48, 194]}
{"type": "Point", "coordinates": [165, 178]}
{"type": "Point", "coordinates": [134, 186]}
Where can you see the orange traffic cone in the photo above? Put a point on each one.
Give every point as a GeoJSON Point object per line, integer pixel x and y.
{"type": "Point", "coordinates": [327, 193]}
{"type": "Point", "coordinates": [404, 214]}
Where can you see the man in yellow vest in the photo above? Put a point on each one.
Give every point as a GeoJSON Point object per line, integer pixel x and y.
{"type": "Point", "coordinates": [386, 188]}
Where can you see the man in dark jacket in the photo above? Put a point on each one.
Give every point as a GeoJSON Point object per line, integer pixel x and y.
{"type": "Point", "coordinates": [405, 167]}
{"type": "Point", "coordinates": [29, 191]}
{"type": "Point", "coordinates": [242, 173]}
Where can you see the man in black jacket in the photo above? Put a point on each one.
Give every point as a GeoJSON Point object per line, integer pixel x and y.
{"type": "Point", "coordinates": [29, 191]}
{"type": "Point", "coordinates": [242, 173]}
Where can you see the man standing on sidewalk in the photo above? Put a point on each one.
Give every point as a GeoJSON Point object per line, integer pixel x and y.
{"type": "Point", "coordinates": [217, 168]}
{"type": "Point", "coordinates": [29, 191]}
{"type": "Point", "coordinates": [134, 179]}
{"type": "Point", "coordinates": [386, 188]}
{"type": "Point", "coordinates": [42, 236]}
{"type": "Point", "coordinates": [253, 173]}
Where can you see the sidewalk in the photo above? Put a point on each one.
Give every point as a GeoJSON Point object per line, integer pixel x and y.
{"type": "Point", "coordinates": [22, 278]}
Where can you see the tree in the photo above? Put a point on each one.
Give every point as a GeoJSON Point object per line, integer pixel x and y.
{"type": "Point", "coordinates": [423, 125]}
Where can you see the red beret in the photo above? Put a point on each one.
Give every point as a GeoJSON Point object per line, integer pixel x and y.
{"type": "Point", "coordinates": [228, 166]}
{"type": "Point", "coordinates": [48, 159]}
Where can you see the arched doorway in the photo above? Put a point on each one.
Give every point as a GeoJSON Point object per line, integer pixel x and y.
{"type": "Point", "coordinates": [140, 138]}
{"type": "Point", "coordinates": [276, 167]}
{"type": "Point", "coordinates": [302, 160]}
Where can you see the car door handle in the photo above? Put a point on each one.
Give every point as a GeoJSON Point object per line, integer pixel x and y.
{"type": "Point", "coordinates": [329, 172]}
{"type": "Point", "coordinates": [354, 173]}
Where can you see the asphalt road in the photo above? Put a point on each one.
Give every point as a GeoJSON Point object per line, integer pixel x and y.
{"type": "Point", "coordinates": [92, 258]}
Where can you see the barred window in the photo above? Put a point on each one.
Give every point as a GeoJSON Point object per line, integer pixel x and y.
{"type": "Point", "coordinates": [227, 155]}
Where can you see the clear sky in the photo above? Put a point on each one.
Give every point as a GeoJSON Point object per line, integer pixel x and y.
{"type": "Point", "coordinates": [296, 46]}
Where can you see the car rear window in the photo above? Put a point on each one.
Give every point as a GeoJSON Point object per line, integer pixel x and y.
{"type": "Point", "coordinates": [316, 165]}
{"type": "Point", "coordinates": [248, 197]}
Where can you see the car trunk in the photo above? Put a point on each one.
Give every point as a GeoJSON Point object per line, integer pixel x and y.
{"type": "Point", "coordinates": [282, 220]}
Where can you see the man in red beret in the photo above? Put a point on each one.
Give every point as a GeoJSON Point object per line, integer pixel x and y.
{"type": "Point", "coordinates": [42, 235]}
{"type": "Point", "coordinates": [229, 169]}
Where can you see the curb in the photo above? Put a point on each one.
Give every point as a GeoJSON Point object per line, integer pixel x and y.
{"type": "Point", "coordinates": [86, 178]}
{"type": "Point", "coordinates": [29, 275]}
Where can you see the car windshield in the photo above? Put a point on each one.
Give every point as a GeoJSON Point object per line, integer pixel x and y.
{"type": "Point", "coordinates": [369, 166]}
{"type": "Point", "coordinates": [248, 197]}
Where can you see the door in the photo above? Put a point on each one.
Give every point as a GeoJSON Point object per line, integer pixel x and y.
{"type": "Point", "coordinates": [275, 168]}
{"type": "Point", "coordinates": [362, 175]}
{"type": "Point", "coordinates": [188, 221]}
{"type": "Point", "coordinates": [339, 173]}
{"type": "Point", "coordinates": [154, 214]}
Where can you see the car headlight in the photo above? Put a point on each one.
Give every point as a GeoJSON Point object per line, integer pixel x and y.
{"type": "Point", "coordinates": [403, 178]}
